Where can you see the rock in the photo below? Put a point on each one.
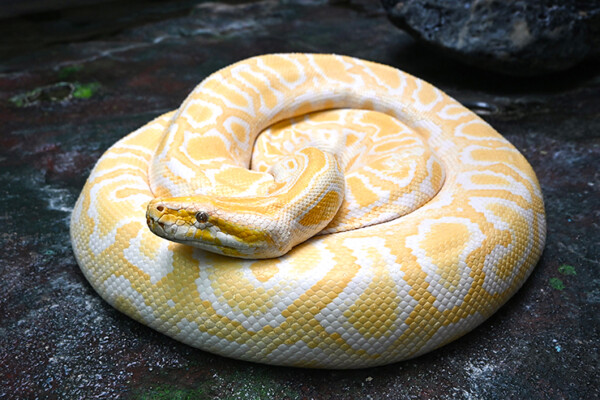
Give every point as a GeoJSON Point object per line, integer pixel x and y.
{"type": "Point", "coordinates": [513, 37]}
{"type": "Point", "coordinates": [12, 8]}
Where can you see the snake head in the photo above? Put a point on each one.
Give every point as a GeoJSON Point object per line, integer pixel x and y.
{"type": "Point", "coordinates": [303, 200]}
{"type": "Point", "coordinates": [197, 221]}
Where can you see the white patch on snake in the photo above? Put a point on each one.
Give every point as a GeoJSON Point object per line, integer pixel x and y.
{"type": "Point", "coordinates": [446, 112]}
{"type": "Point", "coordinates": [446, 298]}
{"type": "Point", "coordinates": [427, 186]}
{"type": "Point", "coordinates": [118, 286]}
{"type": "Point", "coordinates": [248, 109]}
{"type": "Point", "coordinates": [287, 286]}
{"type": "Point", "coordinates": [507, 156]}
{"type": "Point", "coordinates": [98, 242]}
{"type": "Point", "coordinates": [444, 197]}
{"type": "Point", "coordinates": [264, 86]}
{"type": "Point", "coordinates": [157, 267]}
{"type": "Point", "coordinates": [483, 127]}
{"type": "Point", "coordinates": [289, 84]}
{"type": "Point", "coordinates": [126, 164]}
{"type": "Point", "coordinates": [418, 104]}
{"type": "Point", "coordinates": [156, 179]}
{"type": "Point", "coordinates": [333, 315]}
{"type": "Point", "coordinates": [493, 283]}
{"type": "Point", "coordinates": [392, 91]}
{"type": "Point", "coordinates": [200, 125]}
{"type": "Point", "coordinates": [180, 170]}
{"type": "Point", "coordinates": [243, 144]}
{"type": "Point", "coordinates": [191, 334]}
{"type": "Point", "coordinates": [436, 138]}
{"type": "Point", "coordinates": [512, 185]}
{"type": "Point", "coordinates": [296, 353]}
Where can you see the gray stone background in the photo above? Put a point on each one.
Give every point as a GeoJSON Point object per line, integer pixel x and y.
{"type": "Point", "coordinates": [74, 80]}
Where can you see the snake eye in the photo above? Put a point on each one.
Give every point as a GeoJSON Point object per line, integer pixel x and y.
{"type": "Point", "coordinates": [202, 217]}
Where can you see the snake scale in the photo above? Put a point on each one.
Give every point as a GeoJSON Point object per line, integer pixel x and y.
{"type": "Point", "coordinates": [186, 224]}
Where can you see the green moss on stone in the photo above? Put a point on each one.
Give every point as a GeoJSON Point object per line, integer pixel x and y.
{"type": "Point", "coordinates": [557, 284]}
{"type": "Point", "coordinates": [85, 90]}
{"type": "Point", "coordinates": [567, 270]}
{"type": "Point", "coordinates": [60, 91]}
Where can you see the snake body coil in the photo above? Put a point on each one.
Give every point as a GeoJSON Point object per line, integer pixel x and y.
{"type": "Point", "coordinates": [438, 221]}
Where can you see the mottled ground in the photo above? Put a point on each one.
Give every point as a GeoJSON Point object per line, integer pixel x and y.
{"type": "Point", "coordinates": [70, 86]}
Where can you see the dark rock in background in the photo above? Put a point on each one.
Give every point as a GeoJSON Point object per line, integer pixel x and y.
{"type": "Point", "coordinates": [11, 8]}
{"type": "Point", "coordinates": [513, 37]}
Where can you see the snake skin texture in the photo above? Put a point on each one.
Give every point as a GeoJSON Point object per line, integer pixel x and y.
{"type": "Point", "coordinates": [441, 223]}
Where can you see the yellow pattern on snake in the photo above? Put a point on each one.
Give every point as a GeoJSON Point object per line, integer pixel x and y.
{"type": "Point", "coordinates": [410, 220]}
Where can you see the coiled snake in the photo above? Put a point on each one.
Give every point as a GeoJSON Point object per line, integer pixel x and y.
{"type": "Point", "coordinates": [410, 220]}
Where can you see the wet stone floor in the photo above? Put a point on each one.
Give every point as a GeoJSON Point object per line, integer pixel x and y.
{"type": "Point", "coordinates": [73, 83]}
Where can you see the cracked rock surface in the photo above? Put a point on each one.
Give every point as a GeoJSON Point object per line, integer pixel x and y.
{"type": "Point", "coordinates": [511, 37]}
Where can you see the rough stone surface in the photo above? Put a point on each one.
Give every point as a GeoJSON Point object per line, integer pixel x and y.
{"type": "Point", "coordinates": [63, 103]}
{"type": "Point", "coordinates": [11, 8]}
{"type": "Point", "coordinates": [519, 37]}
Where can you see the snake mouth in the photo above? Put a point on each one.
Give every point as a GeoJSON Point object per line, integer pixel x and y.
{"type": "Point", "coordinates": [217, 242]}
{"type": "Point", "coordinates": [203, 230]}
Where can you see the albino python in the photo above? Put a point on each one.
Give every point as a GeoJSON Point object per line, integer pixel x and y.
{"type": "Point", "coordinates": [311, 210]}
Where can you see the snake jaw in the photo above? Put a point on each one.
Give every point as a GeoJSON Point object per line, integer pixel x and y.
{"type": "Point", "coordinates": [198, 224]}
